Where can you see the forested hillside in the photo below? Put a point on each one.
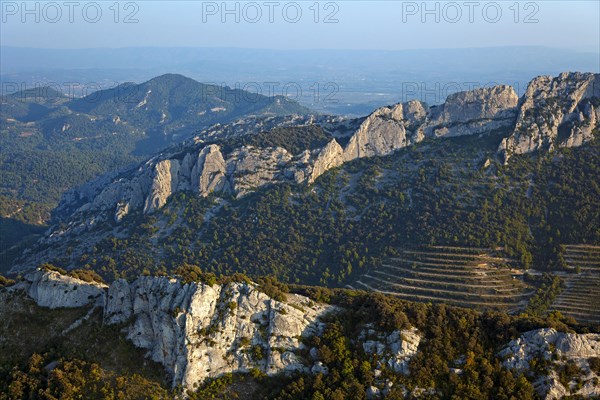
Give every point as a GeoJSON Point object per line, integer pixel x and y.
{"type": "Point", "coordinates": [439, 192]}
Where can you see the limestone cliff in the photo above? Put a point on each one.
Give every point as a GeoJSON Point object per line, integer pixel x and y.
{"type": "Point", "coordinates": [208, 172]}
{"type": "Point", "coordinates": [474, 112]}
{"type": "Point", "coordinates": [53, 290]}
{"type": "Point", "coordinates": [329, 157]}
{"type": "Point", "coordinates": [197, 330]}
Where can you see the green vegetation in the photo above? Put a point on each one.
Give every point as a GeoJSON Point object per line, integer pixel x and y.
{"type": "Point", "coordinates": [295, 139]}
{"type": "Point", "coordinates": [86, 275]}
{"type": "Point", "coordinates": [595, 364]}
{"type": "Point", "coordinates": [257, 352]}
{"type": "Point", "coordinates": [450, 334]}
{"type": "Point", "coordinates": [83, 274]}
{"type": "Point", "coordinates": [27, 329]}
{"type": "Point", "coordinates": [76, 379]}
{"type": "Point", "coordinates": [569, 371]}
{"type": "Point", "coordinates": [273, 288]}
{"type": "Point", "coordinates": [193, 273]}
{"type": "Point", "coordinates": [550, 286]}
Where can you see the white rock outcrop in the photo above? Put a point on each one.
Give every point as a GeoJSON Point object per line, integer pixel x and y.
{"type": "Point", "coordinates": [198, 331]}
{"type": "Point", "coordinates": [54, 290]}
{"type": "Point", "coordinates": [330, 156]}
{"type": "Point", "coordinates": [386, 130]}
{"type": "Point", "coordinates": [554, 347]}
{"type": "Point", "coordinates": [394, 350]}
{"type": "Point", "coordinates": [477, 111]}
{"type": "Point", "coordinates": [164, 181]}
{"type": "Point", "coordinates": [208, 173]}
{"type": "Point", "coordinates": [194, 330]}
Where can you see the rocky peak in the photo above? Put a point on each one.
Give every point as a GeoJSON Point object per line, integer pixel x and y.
{"type": "Point", "coordinates": [208, 173]}
{"type": "Point", "coordinates": [560, 111]}
{"type": "Point", "coordinates": [331, 156]}
{"type": "Point", "coordinates": [386, 130]}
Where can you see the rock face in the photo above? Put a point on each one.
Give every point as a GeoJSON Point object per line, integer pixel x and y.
{"type": "Point", "coordinates": [561, 111]}
{"type": "Point", "coordinates": [53, 290]}
{"type": "Point", "coordinates": [554, 347]}
{"type": "Point", "coordinates": [329, 157]}
{"type": "Point", "coordinates": [394, 350]}
{"type": "Point", "coordinates": [195, 330]}
{"type": "Point", "coordinates": [208, 173]}
{"type": "Point", "coordinates": [474, 112]}
{"type": "Point", "coordinates": [386, 130]}
{"type": "Point", "coordinates": [164, 182]}
{"type": "Point", "coordinates": [198, 331]}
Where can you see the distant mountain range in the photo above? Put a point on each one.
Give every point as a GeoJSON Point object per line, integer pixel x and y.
{"type": "Point", "coordinates": [332, 81]}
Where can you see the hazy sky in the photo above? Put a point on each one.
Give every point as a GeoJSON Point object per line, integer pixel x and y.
{"type": "Point", "coordinates": [387, 25]}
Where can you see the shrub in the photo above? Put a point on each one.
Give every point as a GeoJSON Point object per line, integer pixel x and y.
{"type": "Point", "coordinates": [256, 352]}
{"type": "Point", "coordinates": [192, 273]}
{"type": "Point", "coordinates": [50, 267]}
{"type": "Point", "coordinates": [86, 275]}
{"type": "Point", "coordinates": [594, 364]}
{"type": "Point", "coordinates": [273, 288]}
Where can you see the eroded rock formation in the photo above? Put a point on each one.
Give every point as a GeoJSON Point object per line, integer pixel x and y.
{"type": "Point", "coordinates": [555, 348]}
{"type": "Point", "coordinates": [561, 111]}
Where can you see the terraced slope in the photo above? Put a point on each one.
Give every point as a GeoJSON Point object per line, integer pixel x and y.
{"type": "Point", "coordinates": [581, 298]}
{"type": "Point", "coordinates": [467, 277]}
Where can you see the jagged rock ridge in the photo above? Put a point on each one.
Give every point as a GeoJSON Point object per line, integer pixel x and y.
{"type": "Point", "coordinates": [197, 331]}
{"type": "Point", "coordinates": [569, 103]}
{"type": "Point", "coordinates": [246, 168]}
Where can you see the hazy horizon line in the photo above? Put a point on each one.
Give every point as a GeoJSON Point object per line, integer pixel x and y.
{"type": "Point", "coordinates": [300, 50]}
